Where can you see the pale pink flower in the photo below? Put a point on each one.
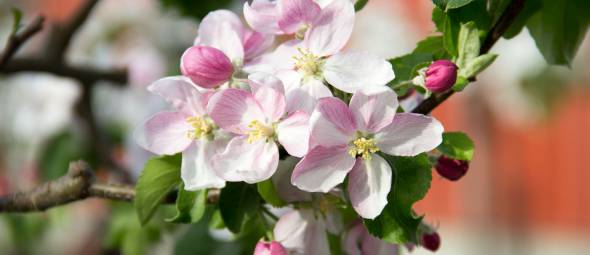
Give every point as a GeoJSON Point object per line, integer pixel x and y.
{"type": "Point", "coordinates": [302, 232]}
{"type": "Point", "coordinates": [304, 66]}
{"type": "Point", "coordinates": [260, 123]}
{"type": "Point", "coordinates": [188, 129]}
{"type": "Point", "coordinates": [223, 45]}
{"type": "Point", "coordinates": [346, 141]}
{"type": "Point", "coordinates": [269, 248]}
{"type": "Point", "coordinates": [358, 241]}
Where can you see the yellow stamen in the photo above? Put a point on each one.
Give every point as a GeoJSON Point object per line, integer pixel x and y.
{"type": "Point", "coordinates": [363, 147]}
{"type": "Point", "coordinates": [201, 127]}
{"type": "Point", "coordinates": [309, 63]}
{"type": "Point", "coordinates": [258, 131]}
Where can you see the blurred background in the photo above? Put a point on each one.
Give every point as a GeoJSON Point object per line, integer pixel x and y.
{"type": "Point", "coordinates": [525, 192]}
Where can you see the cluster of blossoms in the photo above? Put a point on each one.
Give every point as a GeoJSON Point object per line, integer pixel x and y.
{"type": "Point", "coordinates": [246, 100]}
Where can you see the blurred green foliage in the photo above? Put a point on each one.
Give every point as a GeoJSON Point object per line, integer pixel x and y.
{"type": "Point", "coordinates": [196, 9]}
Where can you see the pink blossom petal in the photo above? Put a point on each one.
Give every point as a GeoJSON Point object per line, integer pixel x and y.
{"type": "Point", "coordinates": [255, 44]}
{"type": "Point", "coordinates": [248, 162]}
{"type": "Point", "coordinates": [182, 95]}
{"type": "Point", "coordinates": [332, 123]}
{"type": "Point", "coordinates": [369, 183]}
{"type": "Point", "coordinates": [409, 135]}
{"type": "Point", "coordinates": [278, 60]}
{"type": "Point", "coordinates": [234, 109]}
{"type": "Point", "coordinates": [165, 133]}
{"type": "Point", "coordinates": [358, 241]}
{"type": "Point", "coordinates": [269, 248]}
{"type": "Point", "coordinates": [301, 233]}
{"type": "Point", "coordinates": [352, 71]}
{"type": "Point", "coordinates": [196, 169]}
{"type": "Point", "coordinates": [282, 182]}
{"type": "Point", "coordinates": [296, 14]}
{"type": "Point", "coordinates": [263, 16]}
{"type": "Point", "coordinates": [206, 66]}
{"type": "Point", "coordinates": [293, 133]}
{"type": "Point", "coordinates": [330, 32]}
{"type": "Point", "coordinates": [322, 169]}
{"type": "Point", "coordinates": [223, 30]}
{"type": "Point", "coordinates": [269, 91]}
{"type": "Point", "coordinates": [374, 108]}
{"type": "Point", "coordinates": [304, 95]}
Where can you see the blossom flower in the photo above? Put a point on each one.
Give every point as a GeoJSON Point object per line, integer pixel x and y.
{"type": "Point", "coordinates": [259, 121]}
{"type": "Point", "coordinates": [188, 129]}
{"type": "Point", "coordinates": [347, 139]}
{"type": "Point", "coordinates": [269, 248]}
{"type": "Point", "coordinates": [282, 16]}
{"type": "Point", "coordinates": [305, 65]}
{"type": "Point", "coordinates": [220, 50]}
{"type": "Point", "coordinates": [302, 232]}
{"type": "Point", "coordinates": [358, 241]}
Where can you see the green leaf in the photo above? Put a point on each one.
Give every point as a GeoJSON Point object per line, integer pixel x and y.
{"type": "Point", "coordinates": [468, 44]}
{"type": "Point", "coordinates": [17, 16]}
{"type": "Point", "coordinates": [559, 29]}
{"type": "Point", "coordinates": [432, 45]}
{"type": "Point", "coordinates": [477, 65]}
{"type": "Point", "coordinates": [457, 145]}
{"type": "Point", "coordinates": [411, 180]}
{"type": "Point", "coordinates": [59, 151]}
{"type": "Point", "coordinates": [438, 18]}
{"type": "Point", "coordinates": [159, 176]}
{"type": "Point", "coordinates": [451, 4]}
{"type": "Point", "coordinates": [460, 84]}
{"type": "Point", "coordinates": [190, 206]}
{"type": "Point", "coordinates": [216, 221]}
{"type": "Point", "coordinates": [238, 201]}
{"type": "Point", "coordinates": [404, 65]}
{"type": "Point", "coordinates": [531, 7]}
{"type": "Point", "coordinates": [267, 191]}
{"type": "Point", "coordinates": [476, 11]}
{"type": "Point", "coordinates": [360, 4]}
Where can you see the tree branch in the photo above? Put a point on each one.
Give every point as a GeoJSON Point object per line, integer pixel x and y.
{"type": "Point", "coordinates": [77, 184]}
{"type": "Point", "coordinates": [17, 39]}
{"type": "Point", "coordinates": [53, 58]}
{"type": "Point", "coordinates": [503, 23]}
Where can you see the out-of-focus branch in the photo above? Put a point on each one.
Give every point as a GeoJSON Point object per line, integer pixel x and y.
{"type": "Point", "coordinates": [78, 184]}
{"type": "Point", "coordinates": [504, 22]}
{"type": "Point", "coordinates": [53, 58]}
{"type": "Point", "coordinates": [18, 38]}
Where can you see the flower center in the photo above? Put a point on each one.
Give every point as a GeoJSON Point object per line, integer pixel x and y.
{"type": "Point", "coordinates": [259, 131]}
{"type": "Point", "coordinates": [308, 63]}
{"type": "Point", "coordinates": [363, 147]}
{"type": "Point", "coordinates": [201, 127]}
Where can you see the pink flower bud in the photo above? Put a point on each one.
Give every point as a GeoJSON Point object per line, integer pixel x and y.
{"type": "Point", "coordinates": [441, 75]}
{"type": "Point", "coordinates": [206, 66]}
{"type": "Point", "coordinates": [452, 169]}
{"type": "Point", "coordinates": [272, 248]}
{"type": "Point", "coordinates": [431, 241]}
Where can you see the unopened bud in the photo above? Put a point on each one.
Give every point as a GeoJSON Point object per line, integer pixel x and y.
{"type": "Point", "coordinates": [207, 67]}
{"type": "Point", "coordinates": [441, 75]}
{"type": "Point", "coordinates": [452, 169]}
{"type": "Point", "coordinates": [269, 248]}
{"type": "Point", "coordinates": [431, 241]}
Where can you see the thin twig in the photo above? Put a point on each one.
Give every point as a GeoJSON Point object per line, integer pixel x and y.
{"type": "Point", "coordinates": [76, 185]}
{"type": "Point", "coordinates": [18, 38]}
{"type": "Point", "coordinates": [504, 22]}
{"type": "Point", "coordinates": [63, 34]}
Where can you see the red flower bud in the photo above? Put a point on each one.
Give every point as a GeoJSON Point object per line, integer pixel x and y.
{"type": "Point", "coordinates": [207, 67]}
{"type": "Point", "coordinates": [431, 241]}
{"type": "Point", "coordinates": [269, 248]}
{"type": "Point", "coordinates": [452, 169]}
{"type": "Point", "coordinates": [441, 75]}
